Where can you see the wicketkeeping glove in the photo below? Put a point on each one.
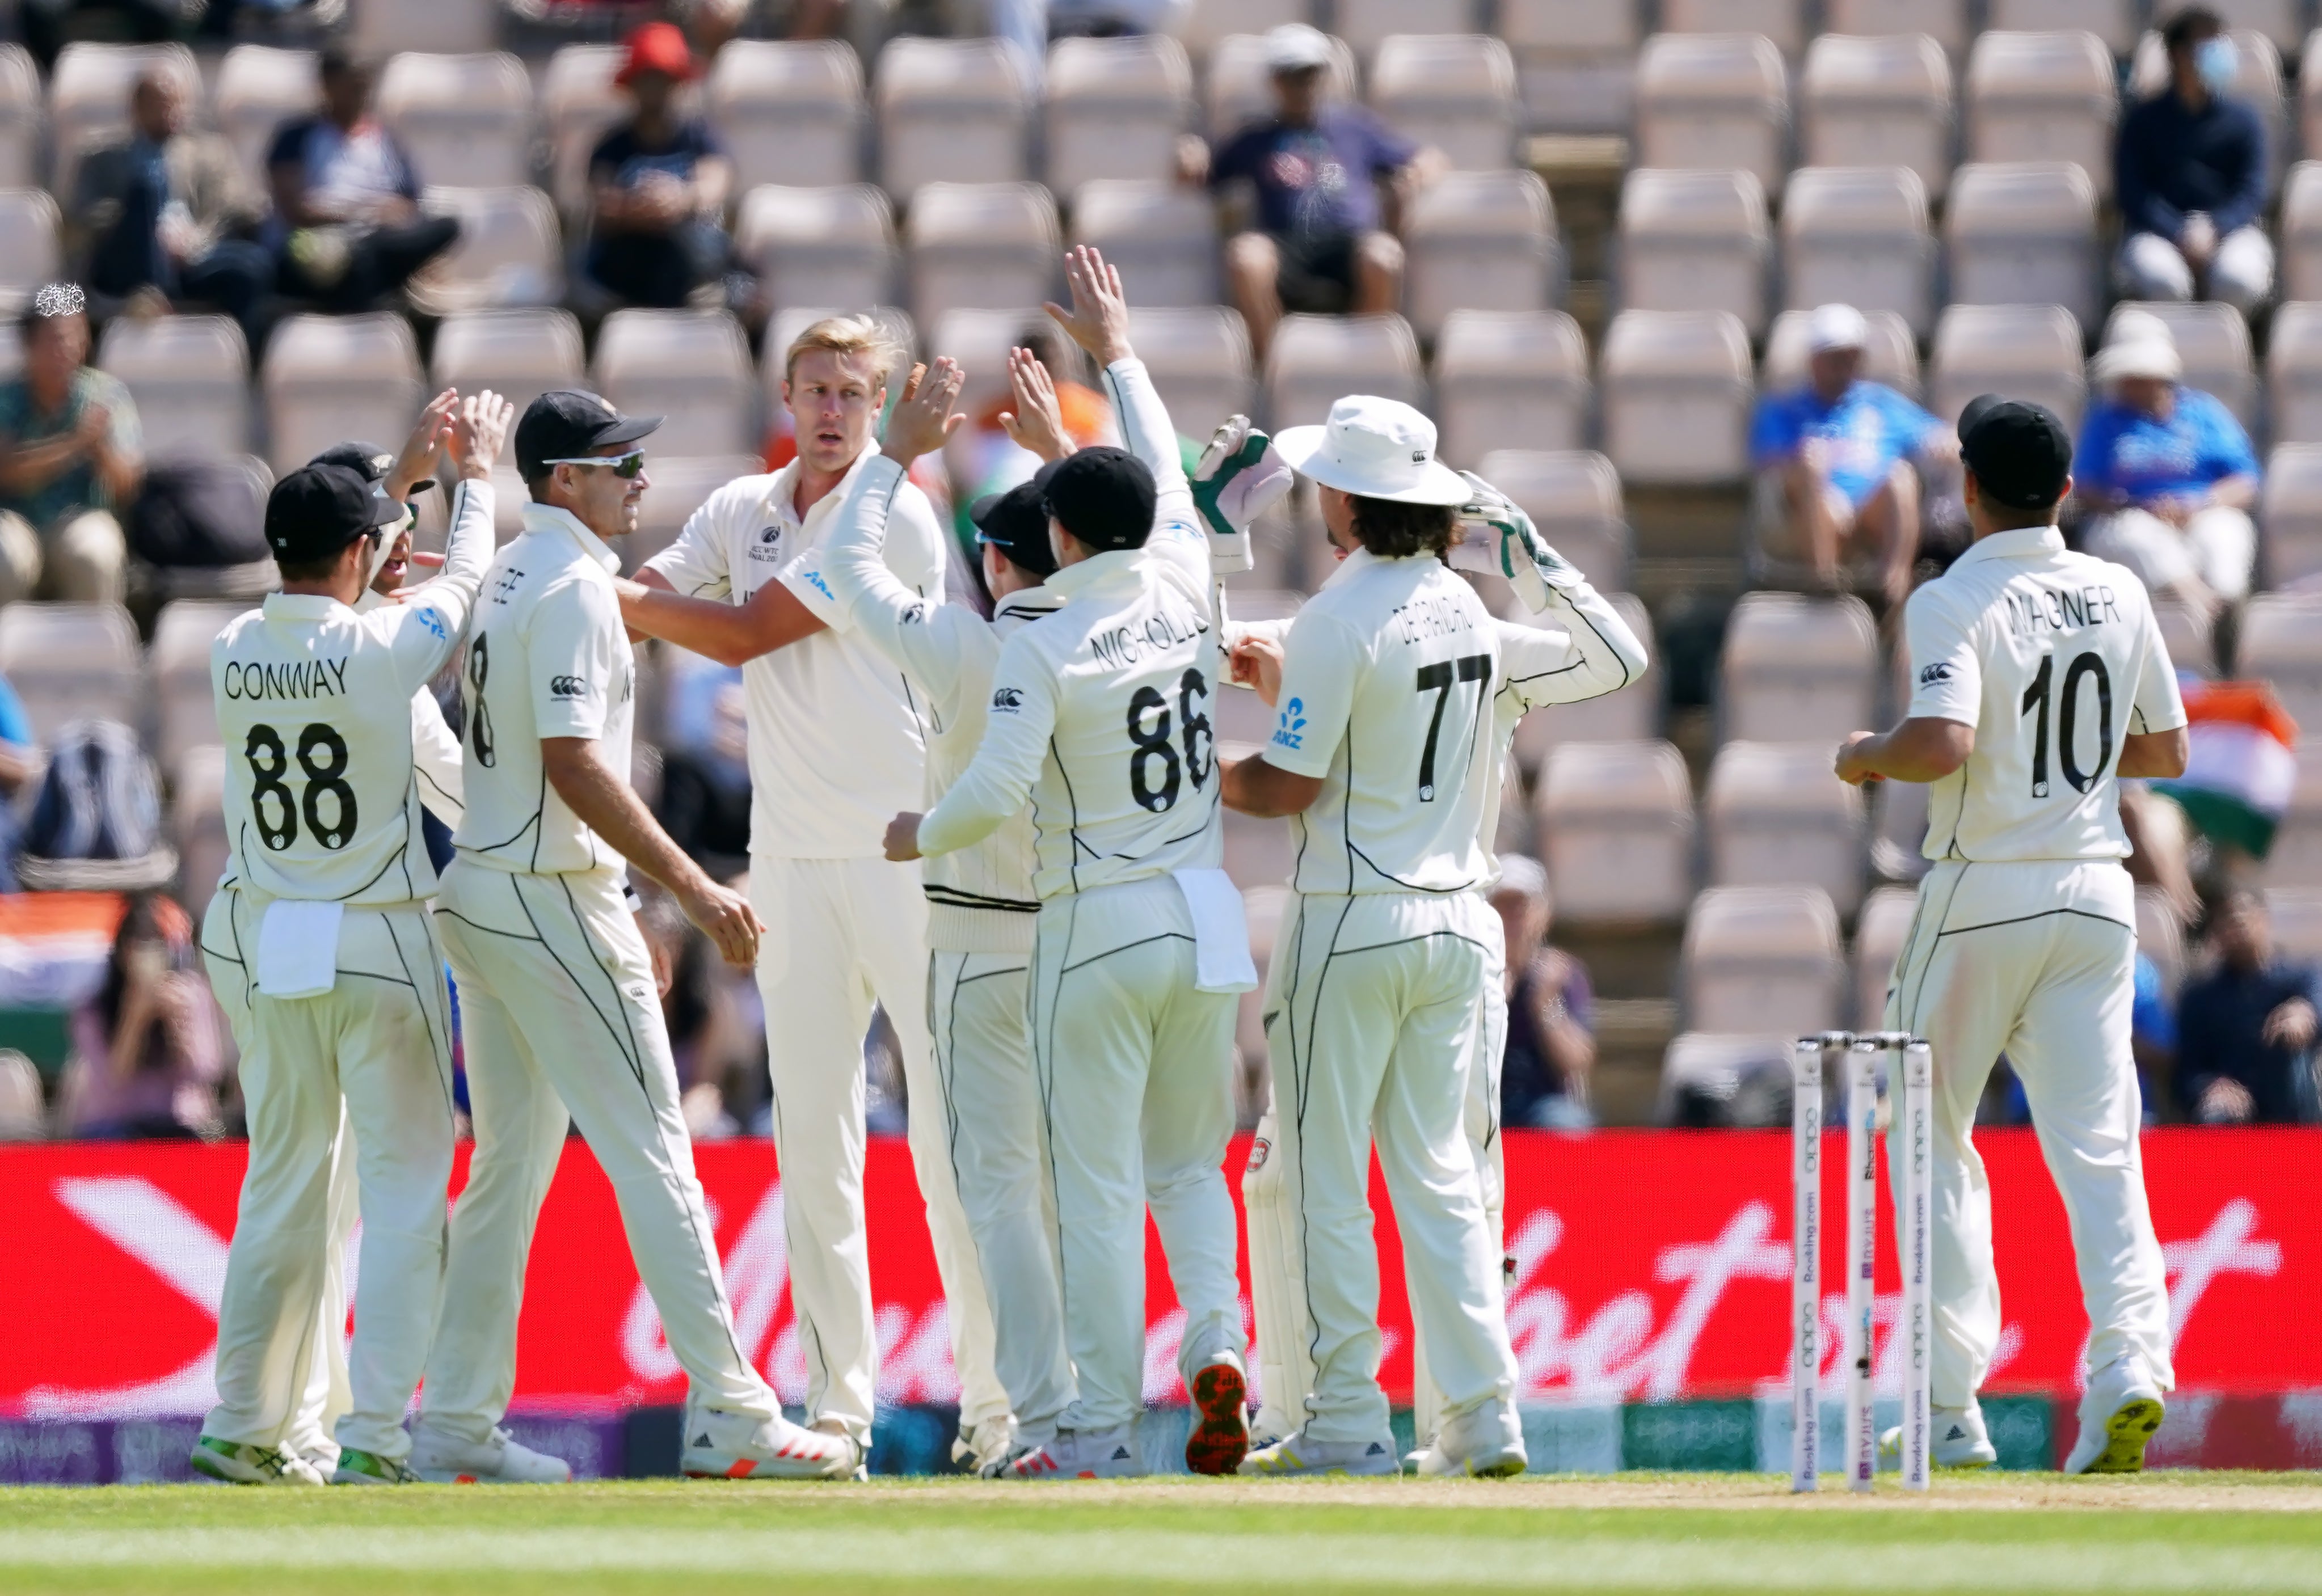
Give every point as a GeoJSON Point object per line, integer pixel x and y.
{"type": "Point", "coordinates": [1521, 555]}
{"type": "Point", "coordinates": [1237, 478]}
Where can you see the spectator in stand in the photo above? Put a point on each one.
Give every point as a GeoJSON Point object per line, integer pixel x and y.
{"type": "Point", "coordinates": [71, 456]}
{"type": "Point", "coordinates": [1836, 457]}
{"type": "Point", "coordinates": [1325, 243]}
{"type": "Point", "coordinates": [2169, 476]}
{"type": "Point", "coordinates": [145, 1060]}
{"type": "Point", "coordinates": [347, 229]}
{"type": "Point", "coordinates": [2246, 1031]}
{"type": "Point", "coordinates": [704, 788]}
{"type": "Point", "coordinates": [167, 215]}
{"type": "Point", "coordinates": [1552, 1041]}
{"type": "Point", "coordinates": [2189, 168]}
{"type": "Point", "coordinates": [659, 182]}
{"type": "Point", "coordinates": [20, 766]}
{"type": "Point", "coordinates": [2152, 1034]}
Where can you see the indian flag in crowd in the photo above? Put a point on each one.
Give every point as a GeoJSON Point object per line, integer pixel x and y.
{"type": "Point", "coordinates": [2238, 779]}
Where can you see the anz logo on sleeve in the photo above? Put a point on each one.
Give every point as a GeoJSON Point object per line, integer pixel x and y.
{"type": "Point", "coordinates": [1291, 731]}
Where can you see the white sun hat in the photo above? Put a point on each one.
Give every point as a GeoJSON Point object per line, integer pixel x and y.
{"type": "Point", "coordinates": [2152, 357]}
{"type": "Point", "coordinates": [1836, 326]}
{"type": "Point", "coordinates": [1296, 47]}
{"type": "Point", "coordinates": [1374, 448]}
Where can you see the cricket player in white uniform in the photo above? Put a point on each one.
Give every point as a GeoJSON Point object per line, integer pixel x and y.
{"type": "Point", "coordinates": [2039, 680]}
{"type": "Point", "coordinates": [558, 1008]}
{"type": "Point", "coordinates": [837, 744]}
{"type": "Point", "coordinates": [320, 940]}
{"type": "Point", "coordinates": [1099, 715]}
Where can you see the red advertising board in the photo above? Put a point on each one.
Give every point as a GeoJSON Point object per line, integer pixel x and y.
{"type": "Point", "coordinates": [1651, 1265]}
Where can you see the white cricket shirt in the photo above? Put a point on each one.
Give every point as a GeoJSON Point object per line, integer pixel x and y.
{"type": "Point", "coordinates": [434, 751]}
{"type": "Point", "coordinates": [314, 709]}
{"type": "Point", "coordinates": [2053, 657]}
{"type": "Point", "coordinates": [548, 658]}
{"type": "Point", "coordinates": [837, 742]}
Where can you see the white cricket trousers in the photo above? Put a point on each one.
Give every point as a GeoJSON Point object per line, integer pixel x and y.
{"type": "Point", "coordinates": [557, 1015]}
{"type": "Point", "coordinates": [2035, 960]}
{"type": "Point", "coordinates": [839, 933]}
{"type": "Point", "coordinates": [984, 1058]}
{"type": "Point", "coordinates": [1375, 1028]}
{"type": "Point", "coordinates": [1134, 1066]}
{"type": "Point", "coordinates": [378, 1048]}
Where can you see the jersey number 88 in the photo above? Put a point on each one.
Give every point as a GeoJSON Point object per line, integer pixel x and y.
{"type": "Point", "coordinates": [267, 788]}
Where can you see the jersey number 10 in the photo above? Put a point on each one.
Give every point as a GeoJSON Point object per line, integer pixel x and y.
{"type": "Point", "coordinates": [2035, 699]}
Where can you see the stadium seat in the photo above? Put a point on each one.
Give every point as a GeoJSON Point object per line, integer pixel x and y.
{"type": "Point", "coordinates": [1891, 355]}
{"type": "Point", "coordinates": [1510, 379]}
{"type": "Point", "coordinates": [509, 252]}
{"type": "Point", "coordinates": [1674, 392]}
{"type": "Point", "coordinates": [2188, 635]}
{"type": "Point", "coordinates": [2023, 234]}
{"type": "Point", "coordinates": [259, 88]}
{"type": "Point", "coordinates": [979, 341]}
{"type": "Point", "coordinates": [2300, 234]}
{"type": "Point", "coordinates": [1238, 89]}
{"type": "Point", "coordinates": [190, 378]}
{"type": "Point", "coordinates": [1695, 241]}
{"type": "Point", "coordinates": [2296, 859]}
{"type": "Point", "coordinates": [2047, 96]}
{"type": "Point", "coordinates": [1617, 832]}
{"type": "Point", "coordinates": [692, 367]}
{"type": "Point", "coordinates": [981, 245]}
{"type": "Point", "coordinates": [327, 379]}
{"type": "Point", "coordinates": [2113, 22]}
{"type": "Point", "coordinates": [1776, 814]}
{"type": "Point", "coordinates": [30, 254]}
{"type": "Point", "coordinates": [1880, 929]}
{"type": "Point", "coordinates": [1797, 668]}
{"type": "Point", "coordinates": [466, 119]}
{"type": "Point", "coordinates": [1630, 715]}
{"type": "Point", "coordinates": [2297, 921]}
{"type": "Point", "coordinates": [1761, 961]}
{"type": "Point", "coordinates": [1576, 63]}
{"type": "Point", "coordinates": [1480, 240]}
{"type": "Point", "coordinates": [2257, 84]}
{"type": "Point", "coordinates": [2290, 510]}
{"type": "Point", "coordinates": [1945, 22]}
{"type": "Point", "coordinates": [180, 663]}
{"type": "Point", "coordinates": [1782, 22]}
{"type": "Point", "coordinates": [68, 661]}
{"type": "Point", "coordinates": [2294, 373]}
{"type": "Point", "coordinates": [2159, 937]}
{"type": "Point", "coordinates": [383, 27]}
{"type": "Point", "coordinates": [21, 116]}
{"type": "Point", "coordinates": [1315, 360]}
{"type": "Point", "coordinates": [680, 485]}
{"type": "Point", "coordinates": [198, 824]}
{"type": "Point", "coordinates": [790, 113]}
{"type": "Point", "coordinates": [1454, 91]}
{"type": "Point", "coordinates": [950, 110]}
{"type": "Point", "coordinates": [2213, 341]}
{"type": "Point", "coordinates": [578, 105]}
{"type": "Point", "coordinates": [2277, 22]}
{"type": "Point", "coordinates": [1366, 24]}
{"type": "Point", "coordinates": [2031, 352]}
{"type": "Point", "coordinates": [1858, 235]}
{"type": "Point", "coordinates": [2281, 643]}
{"type": "Point", "coordinates": [1879, 101]}
{"type": "Point", "coordinates": [1116, 108]}
{"type": "Point", "coordinates": [1200, 363]}
{"type": "Point", "coordinates": [1162, 235]}
{"type": "Point", "coordinates": [1714, 102]}
{"type": "Point", "coordinates": [1573, 496]}
{"type": "Point", "coordinates": [88, 97]}
{"type": "Point", "coordinates": [518, 354]}
{"type": "Point", "coordinates": [1204, 24]}
{"type": "Point", "coordinates": [1715, 1080]}
{"type": "Point", "coordinates": [819, 246]}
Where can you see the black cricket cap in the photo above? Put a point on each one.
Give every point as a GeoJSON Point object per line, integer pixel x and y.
{"type": "Point", "coordinates": [369, 459]}
{"type": "Point", "coordinates": [317, 511]}
{"type": "Point", "coordinates": [2020, 454]}
{"type": "Point", "coordinates": [565, 424]}
{"type": "Point", "coordinates": [1016, 523]}
{"type": "Point", "coordinates": [1103, 496]}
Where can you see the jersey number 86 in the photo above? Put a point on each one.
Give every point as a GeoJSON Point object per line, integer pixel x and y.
{"type": "Point", "coordinates": [1154, 744]}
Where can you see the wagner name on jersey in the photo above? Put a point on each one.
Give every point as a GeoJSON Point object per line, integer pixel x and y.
{"type": "Point", "coordinates": [2054, 659]}
{"type": "Point", "coordinates": [314, 709]}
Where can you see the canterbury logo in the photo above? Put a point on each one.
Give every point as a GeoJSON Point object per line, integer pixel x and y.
{"type": "Point", "coordinates": [1008, 699]}
{"type": "Point", "coordinates": [567, 686]}
{"type": "Point", "coordinates": [1934, 673]}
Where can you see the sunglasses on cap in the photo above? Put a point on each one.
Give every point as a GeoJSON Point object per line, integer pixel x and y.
{"type": "Point", "coordinates": [624, 465]}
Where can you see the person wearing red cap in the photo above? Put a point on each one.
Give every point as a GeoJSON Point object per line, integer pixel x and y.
{"type": "Point", "coordinates": [659, 182]}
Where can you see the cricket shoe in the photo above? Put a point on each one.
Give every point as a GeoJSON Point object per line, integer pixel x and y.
{"type": "Point", "coordinates": [1219, 1438]}
{"type": "Point", "coordinates": [501, 1460]}
{"type": "Point", "coordinates": [738, 1446]}
{"type": "Point", "coordinates": [1083, 1454]}
{"type": "Point", "coordinates": [245, 1463]}
{"type": "Point", "coordinates": [836, 1429]}
{"type": "Point", "coordinates": [1486, 1442]}
{"type": "Point", "coordinates": [2119, 1411]}
{"type": "Point", "coordinates": [1960, 1440]}
{"type": "Point", "coordinates": [358, 1467]}
{"type": "Point", "coordinates": [1293, 1456]}
{"type": "Point", "coordinates": [983, 1448]}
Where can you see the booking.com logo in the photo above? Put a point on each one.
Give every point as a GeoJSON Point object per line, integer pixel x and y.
{"type": "Point", "coordinates": [1291, 731]}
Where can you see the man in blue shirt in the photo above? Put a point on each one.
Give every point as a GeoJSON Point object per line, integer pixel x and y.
{"type": "Point", "coordinates": [2170, 474]}
{"type": "Point", "coordinates": [1323, 243]}
{"type": "Point", "coordinates": [659, 181]}
{"type": "Point", "coordinates": [1835, 456]}
{"type": "Point", "coordinates": [2246, 1031]}
{"type": "Point", "coordinates": [2189, 168]}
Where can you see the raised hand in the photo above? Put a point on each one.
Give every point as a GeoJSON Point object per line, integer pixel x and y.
{"type": "Point", "coordinates": [478, 429]}
{"type": "Point", "coordinates": [1099, 319]}
{"type": "Point", "coordinates": [1522, 556]}
{"type": "Point", "coordinates": [1037, 422]}
{"type": "Point", "coordinates": [923, 417]}
{"type": "Point", "coordinates": [416, 458]}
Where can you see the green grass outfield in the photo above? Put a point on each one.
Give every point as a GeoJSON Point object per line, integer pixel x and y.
{"type": "Point", "coordinates": [2189, 1532]}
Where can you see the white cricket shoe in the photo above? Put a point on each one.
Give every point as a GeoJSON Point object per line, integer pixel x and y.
{"type": "Point", "coordinates": [358, 1467]}
{"type": "Point", "coordinates": [2119, 1411]}
{"type": "Point", "coordinates": [1083, 1454]}
{"type": "Point", "coordinates": [1960, 1440]}
{"type": "Point", "coordinates": [1219, 1438]}
{"type": "Point", "coordinates": [981, 1448]}
{"type": "Point", "coordinates": [245, 1463]}
{"type": "Point", "coordinates": [738, 1446]}
{"type": "Point", "coordinates": [1294, 1457]}
{"type": "Point", "coordinates": [500, 1460]}
{"type": "Point", "coordinates": [1486, 1442]}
